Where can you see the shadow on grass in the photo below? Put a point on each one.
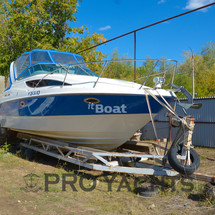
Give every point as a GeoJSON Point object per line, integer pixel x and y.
{"type": "Point", "coordinates": [197, 197]}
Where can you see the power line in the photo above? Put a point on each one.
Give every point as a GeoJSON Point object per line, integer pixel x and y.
{"type": "Point", "coordinates": [147, 26]}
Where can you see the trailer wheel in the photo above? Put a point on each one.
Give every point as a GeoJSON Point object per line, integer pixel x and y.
{"type": "Point", "coordinates": [180, 166]}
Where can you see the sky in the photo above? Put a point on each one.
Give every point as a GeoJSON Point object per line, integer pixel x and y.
{"type": "Point", "coordinates": [171, 39]}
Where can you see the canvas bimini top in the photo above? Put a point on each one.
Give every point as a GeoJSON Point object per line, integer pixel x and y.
{"type": "Point", "coordinates": [42, 61]}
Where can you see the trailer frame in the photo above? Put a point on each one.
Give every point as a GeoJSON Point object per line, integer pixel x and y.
{"type": "Point", "coordinates": [100, 160]}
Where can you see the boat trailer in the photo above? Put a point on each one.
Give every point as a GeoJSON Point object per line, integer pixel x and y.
{"type": "Point", "coordinates": [132, 157]}
{"type": "Point", "coordinates": [125, 161]}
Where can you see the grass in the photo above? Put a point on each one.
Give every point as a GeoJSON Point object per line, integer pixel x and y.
{"type": "Point", "coordinates": [172, 193]}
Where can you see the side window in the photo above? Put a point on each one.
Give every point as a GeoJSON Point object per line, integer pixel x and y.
{"type": "Point", "coordinates": [80, 59]}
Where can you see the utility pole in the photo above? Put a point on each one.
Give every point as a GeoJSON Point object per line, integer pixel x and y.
{"type": "Point", "coordinates": [193, 73]}
{"type": "Point", "coordinates": [135, 56]}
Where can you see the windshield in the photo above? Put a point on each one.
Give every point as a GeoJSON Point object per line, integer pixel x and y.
{"type": "Point", "coordinates": [56, 68]}
{"type": "Point", "coordinates": [21, 63]}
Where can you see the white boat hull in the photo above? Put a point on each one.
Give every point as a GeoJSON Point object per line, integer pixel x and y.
{"type": "Point", "coordinates": [105, 132]}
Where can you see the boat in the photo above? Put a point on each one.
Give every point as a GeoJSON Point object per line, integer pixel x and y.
{"type": "Point", "coordinates": [55, 94]}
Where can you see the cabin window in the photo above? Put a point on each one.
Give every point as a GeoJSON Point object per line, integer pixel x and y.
{"type": "Point", "coordinates": [45, 83]}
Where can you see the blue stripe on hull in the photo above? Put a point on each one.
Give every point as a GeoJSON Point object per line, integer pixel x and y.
{"type": "Point", "coordinates": [59, 105]}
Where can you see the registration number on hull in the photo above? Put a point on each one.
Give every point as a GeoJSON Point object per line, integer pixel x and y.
{"type": "Point", "coordinates": [34, 93]}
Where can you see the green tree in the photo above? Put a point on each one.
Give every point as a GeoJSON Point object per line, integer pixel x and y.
{"type": "Point", "coordinates": [143, 71]}
{"type": "Point", "coordinates": [204, 68]}
{"type": "Point", "coordinates": [29, 24]}
{"type": "Point", "coordinates": [208, 54]}
{"type": "Point", "coordinates": [119, 68]}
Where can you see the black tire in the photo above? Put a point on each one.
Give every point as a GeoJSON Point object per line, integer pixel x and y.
{"type": "Point", "coordinates": [180, 167]}
{"type": "Point", "coordinates": [126, 161]}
